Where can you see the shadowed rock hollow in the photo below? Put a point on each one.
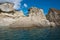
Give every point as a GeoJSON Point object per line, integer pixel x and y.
{"type": "Point", "coordinates": [54, 16]}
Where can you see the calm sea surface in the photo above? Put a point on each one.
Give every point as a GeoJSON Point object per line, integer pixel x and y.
{"type": "Point", "coordinates": [30, 34]}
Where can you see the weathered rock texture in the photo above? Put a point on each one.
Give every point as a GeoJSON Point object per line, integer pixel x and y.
{"type": "Point", "coordinates": [6, 19]}
{"type": "Point", "coordinates": [8, 14]}
{"type": "Point", "coordinates": [12, 18]}
{"type": "Point", "coordinates": [6, 7]}
{"type": "Point", "coordinates": [54, 16]}
{"type": "Point", "coordinates": [33, 11]}
{"type": "Point", "coordinates": [36, 18]}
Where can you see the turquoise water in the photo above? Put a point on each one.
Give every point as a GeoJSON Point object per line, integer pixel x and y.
{"type": "Point", "coordinates": [30, 34]}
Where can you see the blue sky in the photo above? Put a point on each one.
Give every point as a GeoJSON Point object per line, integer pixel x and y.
{"type": "Point", "coordinates": [44, 4]}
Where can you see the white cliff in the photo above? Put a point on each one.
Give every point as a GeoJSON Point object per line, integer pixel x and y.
{"type": "Point", "coordinates": [36, 18]}
{"type": "Point", "coordinates": [14, 18]}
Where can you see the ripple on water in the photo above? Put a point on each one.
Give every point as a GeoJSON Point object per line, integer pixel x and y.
{"type": "Point", "coordinates": [26, 34]}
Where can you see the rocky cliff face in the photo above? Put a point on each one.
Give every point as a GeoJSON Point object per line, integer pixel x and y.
{"type": "Point", "coordinates": [8, 14]}
{"type": "Point", "coordinates": [54, 16]}
{"type": "Point", "coordinates": [36, 18]}
{"type": "Point", "coordinates": [12, 18]}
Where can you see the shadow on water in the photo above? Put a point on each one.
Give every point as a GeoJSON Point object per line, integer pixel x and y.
{"type": "Point", "coordinates": [30, 34]}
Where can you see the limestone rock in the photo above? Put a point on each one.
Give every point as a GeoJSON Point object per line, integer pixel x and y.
{"type": "Point", "coordinates": [33, 11]}
{"type": "Point", "coordinates": [6, 21]}
{"type": "Point", "coordinates": [54, 16]}
{"type": "Point", "coordinates": [19, 13]}
{"type": "Point", "coordinates": [8, 15]}
{"type": "Point", "coordinates": [22, 22]}
{"type": "Point", "coordinates": [13, 18]}
{"type": "Point", "coordinates": [52, 24]}
{"type": "Point", "coordinates": [30, 22]}
{"type": "Point", "coordinates": [36, 18]}
{"type": "Point", "coordinates": [6, 7]}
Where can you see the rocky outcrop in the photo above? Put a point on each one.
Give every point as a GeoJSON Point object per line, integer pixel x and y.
{"type": "Point", "coordinates": [7, 18]}
{"type": "Point", "coordinates": [13, 18]}
{"type": "Point", "coordinates": [33, 11]}
{"type": "Point", "coordinates": [8, 14]}
{"type": "Point", "coordinates": [36, 18]}
{"type": "Point", "coordinates": [6, 7]}
{"type": "Point", "coordinates": [54, 16]}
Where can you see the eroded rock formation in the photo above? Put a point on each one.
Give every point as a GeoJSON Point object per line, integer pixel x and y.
{"type": "Point", "coordinates": [36, 18]}
{"type": "Point", "coordinates": [13, 18]}
{"type": "Point", "coordinates": [8, 14]}
{"type": "Point", "coordinates": [54, 16]}
{"type": "Point", "coordinates": [33, 11]}
{"type": "Point", "coordinates": [6, 7]}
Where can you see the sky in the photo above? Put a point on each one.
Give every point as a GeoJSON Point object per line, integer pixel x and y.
{"type": "Point", "coordinates": [26, 4]}
{"type": "Point", "coordinates": [44, 4]}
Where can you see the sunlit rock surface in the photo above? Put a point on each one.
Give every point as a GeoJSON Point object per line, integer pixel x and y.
{"type": "Point", "coordinates": [7, 18]}
{"type": "Point", "coordinates": [36, 18]}
{"type": "Point", "coordinates": [6, 7]}
{"type": "Point", "coordinates": [33, 11]}
{"type": "Point", "coordinates": [14, 18]}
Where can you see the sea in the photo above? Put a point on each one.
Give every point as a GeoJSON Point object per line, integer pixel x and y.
{"type": "Point", "coordinates": [30, 34]}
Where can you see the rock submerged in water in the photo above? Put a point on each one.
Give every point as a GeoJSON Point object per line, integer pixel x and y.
{"type": "Point", "coordinates": [35, 18]}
